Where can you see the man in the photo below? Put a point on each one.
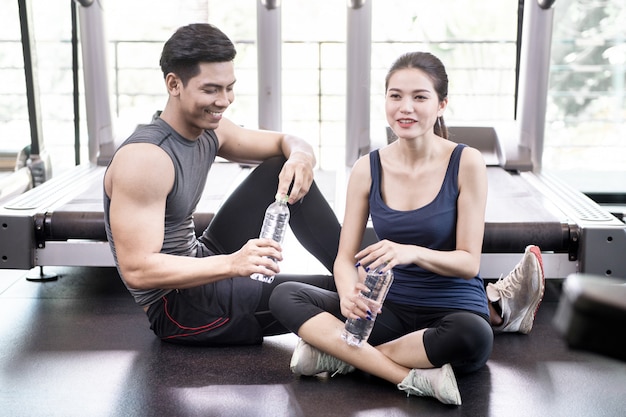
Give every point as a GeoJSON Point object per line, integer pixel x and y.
{"type": "Point", "coordinates": [198, 290]}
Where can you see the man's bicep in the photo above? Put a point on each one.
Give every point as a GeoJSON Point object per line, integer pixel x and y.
{"type": "Point", "coordinates": [138, 193]}
{"type": "Point", "coordinates": [137, 225]}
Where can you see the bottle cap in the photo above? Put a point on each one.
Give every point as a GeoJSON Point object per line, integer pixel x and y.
{"type": "Point", "coordinates": [282, 199]}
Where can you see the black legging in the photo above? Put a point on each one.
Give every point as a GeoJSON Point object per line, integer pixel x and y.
{"type": "Point", "coordinates": [461, 338]}
{"type": "Point", "coordinates": [240, 218]}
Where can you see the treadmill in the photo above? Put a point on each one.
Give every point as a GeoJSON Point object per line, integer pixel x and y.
{"type": "Point", "coordinates": [61, 222]}
{"type": "Point", "coordinates": [524, 205]}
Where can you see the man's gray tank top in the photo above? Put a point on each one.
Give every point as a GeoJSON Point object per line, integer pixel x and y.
{"type": "Point", "coordinates": [192, 161]}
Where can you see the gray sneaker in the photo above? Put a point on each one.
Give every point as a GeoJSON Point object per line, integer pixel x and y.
{"type": "Point", "coordinates": [520, 293]}
{"type": "Point", "coordinates": [439, 383]}
{"type": "Point", "coordinates": [307, 360]}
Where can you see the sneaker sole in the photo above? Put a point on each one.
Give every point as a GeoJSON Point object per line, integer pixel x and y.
{"type": "Point", "coordinates": [528, 320]}
{"type": "Point", "coordinates": [453, 396]}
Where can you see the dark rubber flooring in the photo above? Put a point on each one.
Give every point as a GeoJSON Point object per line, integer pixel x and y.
{"type": "Point", "coordinates": [79, 346]}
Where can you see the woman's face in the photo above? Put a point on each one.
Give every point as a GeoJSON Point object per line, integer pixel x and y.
{"type": "Point", "coordinates": [411, 103]}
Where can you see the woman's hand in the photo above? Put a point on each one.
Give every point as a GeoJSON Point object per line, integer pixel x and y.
{"type": "Point", "coordinates": [353, 306]}
{"type": "Point", "coordinates": [384, 253]}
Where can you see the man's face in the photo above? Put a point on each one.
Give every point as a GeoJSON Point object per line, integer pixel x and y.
{"type": "Point", "coordinates": [207, 95]}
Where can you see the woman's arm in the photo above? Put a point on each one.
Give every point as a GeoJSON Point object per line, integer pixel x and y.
{"type": "Point", "coordinates": [352, 231]}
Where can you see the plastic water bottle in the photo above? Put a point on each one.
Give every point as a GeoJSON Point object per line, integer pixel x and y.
{"type": "Point", "coordinates": [274, 227]}
{"type": "Point", "coordinates": [357, 331]}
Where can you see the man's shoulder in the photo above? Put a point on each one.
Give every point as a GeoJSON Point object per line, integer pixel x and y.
{"type": "Point", "coordinates": [148, 133]}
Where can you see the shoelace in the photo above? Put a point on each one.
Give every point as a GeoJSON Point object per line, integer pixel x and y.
{"type": "Point", "coordinates": [440, 387]}
{"type": "Point", "coordinates": [505, 285]}
{"type": "Point", "coordinates": [326, 362]}
{"type": "Point", "coordinates": [420, 385]}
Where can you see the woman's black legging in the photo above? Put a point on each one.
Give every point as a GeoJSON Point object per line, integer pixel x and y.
{"type": "Point", "coordinates": [461, 338]}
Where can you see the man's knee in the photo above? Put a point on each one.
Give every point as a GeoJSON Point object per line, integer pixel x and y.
{"type": "Point", "coordinates": [272, 166]}
{"type": "Point", "coordinates": [281, 298]}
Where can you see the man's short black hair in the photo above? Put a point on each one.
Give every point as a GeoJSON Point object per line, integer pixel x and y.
{"type": "Point", "coordinates": [193, 44]}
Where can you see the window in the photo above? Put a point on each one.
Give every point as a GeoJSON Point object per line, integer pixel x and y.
{"type": "Point", "coordinates": [586, 117]}
{"type": "Point", "coordinates": [475, 40]}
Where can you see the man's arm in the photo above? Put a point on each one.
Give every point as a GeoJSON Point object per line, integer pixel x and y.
{"type": "Point", "coordinates": [247, 145]}
{"type": "Point", "coordinates": [138, 182]}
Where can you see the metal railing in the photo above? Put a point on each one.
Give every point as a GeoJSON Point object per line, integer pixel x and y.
{"type": "Point", "coordinates": [482, 86]}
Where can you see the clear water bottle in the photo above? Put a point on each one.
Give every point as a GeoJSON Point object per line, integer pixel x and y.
{"type": "Point", "coordinates": [274, 227]}
{"type": "Point", "coordinates": [357, 331]}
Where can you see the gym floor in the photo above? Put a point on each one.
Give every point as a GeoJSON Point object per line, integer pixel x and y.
{"type": "Point", "coordinates": [79, 346]}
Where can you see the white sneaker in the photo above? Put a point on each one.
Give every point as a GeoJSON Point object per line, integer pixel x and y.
{"type": "Point", "coordinates": [439, 383]}
{"type": "Point", "coordinates": [520, 293]}
{"type": "Point", "coordinates": [307, 360]}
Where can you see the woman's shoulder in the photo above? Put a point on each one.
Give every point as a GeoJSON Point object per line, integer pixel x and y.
{"type": "Point", "coordinates": [362, 163]}
{"type": "Point", "coordinates": [360, 174]}
{"type": "Point", "coordinates": [471, 156]}
{"type": "Point", "coordinates": [472, 166]}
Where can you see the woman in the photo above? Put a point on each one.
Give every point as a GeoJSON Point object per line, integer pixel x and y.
{"type": "Point", "coordinates": [426, 196]}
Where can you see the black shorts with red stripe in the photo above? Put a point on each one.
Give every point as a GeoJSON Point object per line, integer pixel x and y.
{"type": "Point", "coordinates": [217, 314]}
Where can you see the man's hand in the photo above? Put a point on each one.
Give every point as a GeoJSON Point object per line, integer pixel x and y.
{"type": "Point", "coordinates": [254, 257]}
{"type": "Point", "coordinates": [298, 170]}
